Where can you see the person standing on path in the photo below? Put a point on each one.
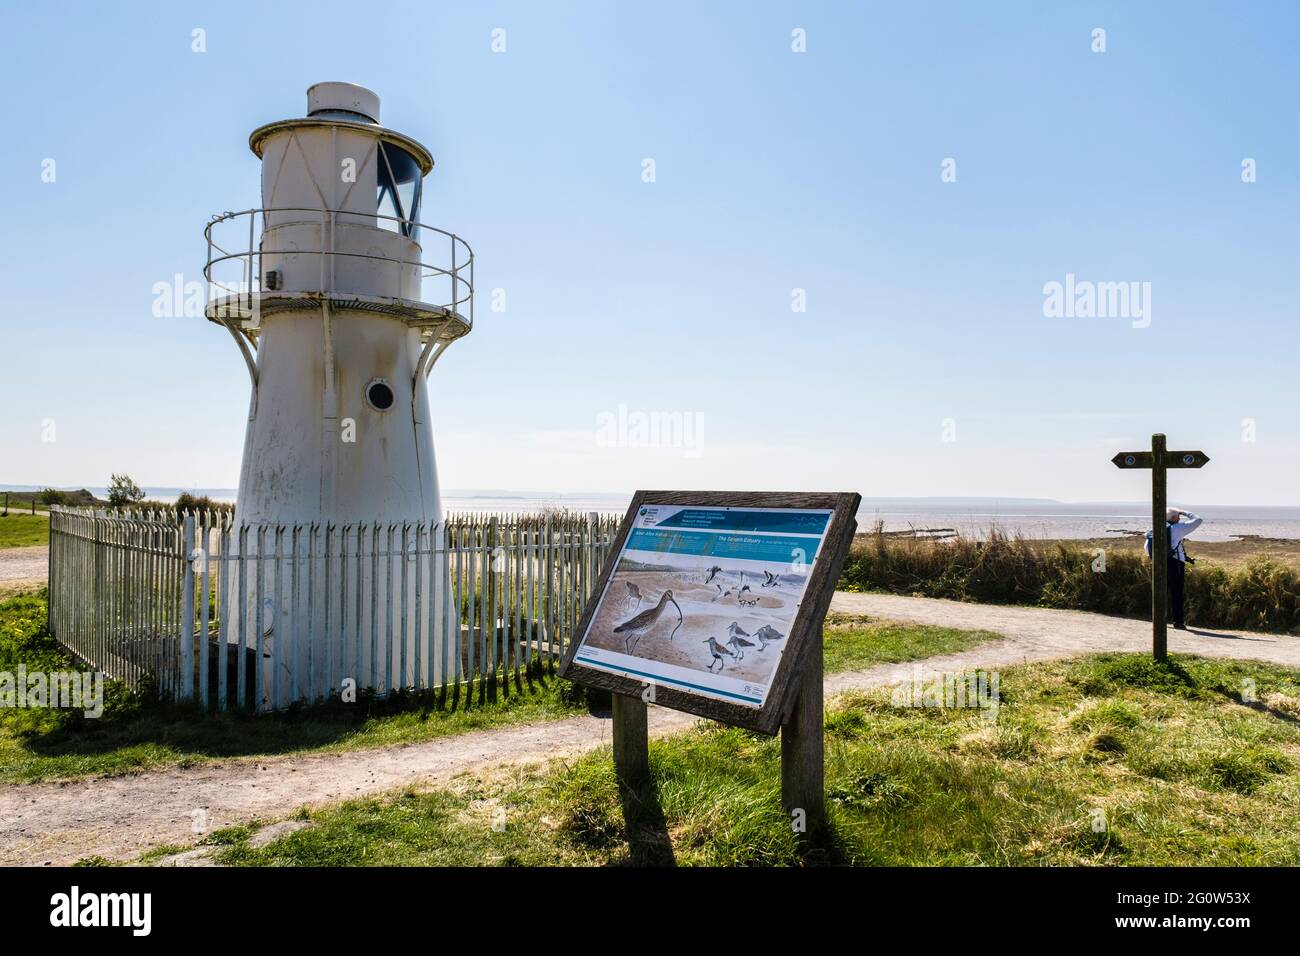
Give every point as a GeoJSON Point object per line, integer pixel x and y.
{"type": "Point", "coordinates": [1177, 559]}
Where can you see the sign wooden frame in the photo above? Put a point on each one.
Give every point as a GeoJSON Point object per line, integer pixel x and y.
{"type": "Point", "coordinates": [805, 630]}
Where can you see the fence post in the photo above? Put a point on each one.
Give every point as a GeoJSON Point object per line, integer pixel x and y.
{"type": "Point", "coordinates": [490, 582]}
{"type": "Point", "coordinates": [186, 630]}
{"type": "Point", "coordinates": [593, 567]}
{"type": "Point", "coordinates": [98, 627]}
{"type": "Point", "coordinates": [548, 594]}
{"type": "Point", "coordinates": [51, 576]}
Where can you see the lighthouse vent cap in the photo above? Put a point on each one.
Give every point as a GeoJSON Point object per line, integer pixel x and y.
{"type": "Point", "coordinates": [344, 100]}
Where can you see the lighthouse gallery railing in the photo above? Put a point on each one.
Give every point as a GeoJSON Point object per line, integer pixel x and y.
{"type": "Point", "coordinates": [236, 279]}
{"type": "Point", "coordinates": [261, 617]}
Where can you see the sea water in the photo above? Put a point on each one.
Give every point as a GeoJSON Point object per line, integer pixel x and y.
{"type": "Point", "coordinates": [971, 517]}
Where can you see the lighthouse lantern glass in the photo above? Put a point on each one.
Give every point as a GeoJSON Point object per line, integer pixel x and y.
{"type": "Point", "coordinates": [400, 189]}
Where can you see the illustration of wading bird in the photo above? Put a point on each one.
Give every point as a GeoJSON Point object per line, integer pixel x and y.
{"type": "Point", "coordinates": [772, 581]}
{"type": "Point", "coordinates": [738, 644]}
{"type": "Point", "coordinates": [734, 629]}
{"type": "Point", "coordinates": [713, 573]}
{"type": "Point", "coordinates": [633, 629]}
{"type": "Point", "coordinates": [766, 635]}
{"type": "Point", "coordinates": [721, 594]}
{"type": "Point", "coordinates": [632, 592]}
{"type": "Point", "coordinates": [718, 651]}
{"type": "Point", "coordinates": [745, 596]}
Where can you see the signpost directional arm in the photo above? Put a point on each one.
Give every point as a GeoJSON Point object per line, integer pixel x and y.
{"type": "Point", "coordinates": [1133, 459]}
{"type": "Point", "coordinates": [1172, 459]}
{"type": "Point", "coordinates": [1186, 459]}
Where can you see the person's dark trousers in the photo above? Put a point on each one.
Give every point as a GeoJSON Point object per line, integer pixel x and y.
{"type": "Point", "coordinates": [1177, 578]}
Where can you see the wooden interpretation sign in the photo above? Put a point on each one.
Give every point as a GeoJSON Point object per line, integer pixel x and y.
{"type": "Point", "coordinates": [712, 603]}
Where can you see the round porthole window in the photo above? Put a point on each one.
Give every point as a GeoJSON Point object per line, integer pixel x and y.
{"type": "Point", "coordinates": [379, 395]}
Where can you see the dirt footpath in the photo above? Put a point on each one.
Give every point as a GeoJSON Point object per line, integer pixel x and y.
{"type": "Point", "coordinates": [121, 817]}
{"type": "Point", "coordinates": [1039, 633]}
{"type": "Point", "coordinates": [23, 567]}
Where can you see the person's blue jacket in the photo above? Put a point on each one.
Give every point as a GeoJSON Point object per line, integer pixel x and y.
{"type": "Point", "coordinates": [1178, 531]}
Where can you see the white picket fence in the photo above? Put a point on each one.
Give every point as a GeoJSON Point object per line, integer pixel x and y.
{"type": "Point", "coordinates": [263, 617]}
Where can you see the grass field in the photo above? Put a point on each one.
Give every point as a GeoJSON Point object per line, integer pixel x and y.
{"type": "Point", "coordinates": [1108, 760]}
{"type": "Point", "coordinates": [133, 735]}
{"type": "Point", "coordinates": [853, 642]}
{"type": "Point", "coordinates": [23, 530]}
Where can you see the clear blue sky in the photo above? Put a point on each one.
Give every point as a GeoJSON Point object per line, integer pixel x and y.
{"type": "Point", "coordinates": [775, 170]}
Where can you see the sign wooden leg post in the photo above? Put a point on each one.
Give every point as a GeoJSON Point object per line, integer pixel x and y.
{"type": "Point", "coordinates": [631, 741]}
{"type": "Point", "coordinates": [1159, 551]}
{"type": "Point", "coordinates": [803, 761]}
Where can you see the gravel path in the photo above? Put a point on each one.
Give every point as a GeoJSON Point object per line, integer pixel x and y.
{"type": "Point", "coordinates": [1039, 633]}
{"type": "Point", "coordinates": [120, 817]}
{"type": "Point", "coordinates": [24, 566]}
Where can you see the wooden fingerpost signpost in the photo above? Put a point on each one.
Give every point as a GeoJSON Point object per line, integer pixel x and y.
{"type": "Point", "coordinates": [1158, 459]}
{"type": "Point", "coordinates": [712, 603]}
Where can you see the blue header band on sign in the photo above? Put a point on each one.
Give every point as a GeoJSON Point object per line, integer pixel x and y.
{"type": "Point", "coordinates": [794, 522]}
{"type": "Point", "coordinates": [725, 544]}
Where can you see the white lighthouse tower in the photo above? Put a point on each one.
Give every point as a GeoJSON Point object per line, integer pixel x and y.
{"type": "Point", "coordinates": [340, 300]}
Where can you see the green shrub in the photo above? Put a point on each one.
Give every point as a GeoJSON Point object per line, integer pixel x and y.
{"type": "Point", "coordinates": [1264, 595]}
{"type": "Point", "coordinates": [199, 503]}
